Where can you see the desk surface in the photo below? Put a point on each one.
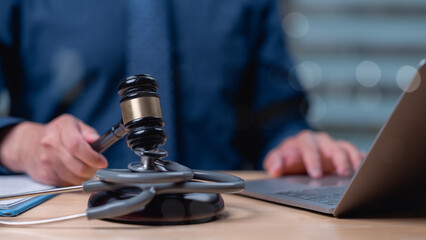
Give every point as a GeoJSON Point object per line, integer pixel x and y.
{"type": "Point", "coordinates": [244, 218]}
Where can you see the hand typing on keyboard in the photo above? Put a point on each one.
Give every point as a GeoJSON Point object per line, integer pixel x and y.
{"type": "Point", "coordinates": [315, 153]}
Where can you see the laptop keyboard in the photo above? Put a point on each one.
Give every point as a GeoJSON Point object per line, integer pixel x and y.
{"type": "Point", "coordinates": [325, 195]}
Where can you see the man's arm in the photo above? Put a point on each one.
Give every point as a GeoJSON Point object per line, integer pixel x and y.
{"type": "Point", "coordinates": [280, 104]}
{"type": "Point", "coordinates": [56, 153]}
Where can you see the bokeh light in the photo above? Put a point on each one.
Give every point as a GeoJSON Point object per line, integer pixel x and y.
{"type": "Point", "coordinates": [404, 76]}
{"type": "Point", "coordinates": [309, 73]}
{"type": "Point", "coordinates": [295, 24]}
{"type": "Point", "coordinates": [368, 73]}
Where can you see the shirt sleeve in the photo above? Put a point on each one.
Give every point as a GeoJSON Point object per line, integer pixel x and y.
{"type": "Point", "coordinates": [279, 103]}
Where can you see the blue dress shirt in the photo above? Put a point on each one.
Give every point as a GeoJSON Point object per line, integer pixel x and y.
{"type": "Point", "coordinates": [228, 89]}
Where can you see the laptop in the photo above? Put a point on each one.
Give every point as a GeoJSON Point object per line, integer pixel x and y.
{"type": "Point", "coordinates": [392, 175]}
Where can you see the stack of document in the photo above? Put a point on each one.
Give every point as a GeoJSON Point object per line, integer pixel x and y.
{"type": "Point", "coordinates": [12, 184]}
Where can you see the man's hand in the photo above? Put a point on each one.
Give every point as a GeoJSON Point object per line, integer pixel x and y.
{"type": "Point", "coordinates": [57, 153]}
{"type": "Point", "coordinates": [315, 153]}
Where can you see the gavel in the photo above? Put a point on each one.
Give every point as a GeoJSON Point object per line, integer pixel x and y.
{"type": "Point", "coordinates": [142, 194]}
{"type": "Point", "coordinates": [142, 121]}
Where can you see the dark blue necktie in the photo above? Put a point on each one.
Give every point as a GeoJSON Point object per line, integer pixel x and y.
{"type": "Point", "coordinates": [149, 51]}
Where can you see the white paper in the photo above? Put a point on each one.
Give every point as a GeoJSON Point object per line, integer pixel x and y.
{"type": "Point", "coordinates": [11, 184]}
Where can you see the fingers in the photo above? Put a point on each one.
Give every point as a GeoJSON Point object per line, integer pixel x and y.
{"type": "Point", "coordinates": [314, 153]}
{"type": "Point", "coordinates": [76, 167]}
{"type": "Point", "coordinates": [68, 178]}
{"type": "Point", "coordinates": [284, 160]}
{"type": "Point", "coordinates": [69, 155]}
{"type": "Point", "coordinates": [53, 170]}
{"type": "Point", "coordinates": [309, 151]}
{"type": "Point", "coordinates": [355, 156]}
{"type": "Point", "coordinates": [57, 166]}
{"type": "Point", "coordinates": [274, 164]}
{"type": "Point", "coordinates": [89, 133]}
{"type": "Point", "coordinates": [333, 151]}
{"type": "Point", "coordinates": [73, 141]}
{"type": "Point", "coordinates": [56, 153]}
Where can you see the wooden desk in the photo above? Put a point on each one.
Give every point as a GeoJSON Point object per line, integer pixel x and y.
{"type": "Point", "coordinates": [244, 219]}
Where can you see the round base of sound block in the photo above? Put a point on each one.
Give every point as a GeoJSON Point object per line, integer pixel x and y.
{"type": "Point", "coordinates": [165, 209]}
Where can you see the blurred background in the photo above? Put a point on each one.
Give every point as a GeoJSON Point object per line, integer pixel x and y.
{"type": "Point", "coordinates": [354, 57]}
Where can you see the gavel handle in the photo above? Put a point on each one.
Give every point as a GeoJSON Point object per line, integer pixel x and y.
{"type": "Point", "coordinates": [116, 133]}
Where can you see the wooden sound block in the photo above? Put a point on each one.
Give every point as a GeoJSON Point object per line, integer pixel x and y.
{"type": "Point", "coordinates": [165, 209]}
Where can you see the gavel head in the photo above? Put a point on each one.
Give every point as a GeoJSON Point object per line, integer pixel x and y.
{"type": "Point", "coordinates": [141, 112]}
